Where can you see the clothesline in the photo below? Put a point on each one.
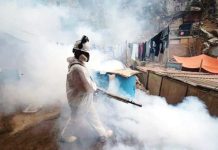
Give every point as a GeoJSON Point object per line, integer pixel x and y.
{"type": "Point", "coordinates": [151, 48]}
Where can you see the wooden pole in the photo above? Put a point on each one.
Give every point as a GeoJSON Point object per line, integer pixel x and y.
{"type": "Point", "coordinates": [119, 98]}
{"type": "Point", "coordinates": [201, 65]}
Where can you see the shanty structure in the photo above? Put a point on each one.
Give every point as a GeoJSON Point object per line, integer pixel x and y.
{"type": "Point", "coordinates": [176, 85]}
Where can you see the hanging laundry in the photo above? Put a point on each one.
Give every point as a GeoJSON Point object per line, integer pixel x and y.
{"type": "Point", "coordinates": [148, 47]}
{"type": "Point", "coordinates": [161, 47]}
{"type": "Point", "coordinates": [144, 52]}
{"type": "Point", "coordinates": [152, 50]}
{"type": "Point", "coordinates": [164, 40]}
{"type": "Point", "coordinates": [134, 52]}
{"type": "Point", "coordinates": [156, 44]}
{"type": "Point", "coordinates": [140, 51]}
{"type": "Point", "coordinates": [165, 33]}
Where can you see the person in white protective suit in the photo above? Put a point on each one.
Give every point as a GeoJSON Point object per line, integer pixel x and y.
{"type": "Point", "coordinates": [80, 89]}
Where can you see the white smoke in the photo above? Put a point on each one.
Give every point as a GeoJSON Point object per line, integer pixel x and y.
{"type": "Point", "coordinates": [36, 38]}
{"type": "Point", "coordinates": [158, 125]}
{"type": "Point", "coordinates": [34, 31]}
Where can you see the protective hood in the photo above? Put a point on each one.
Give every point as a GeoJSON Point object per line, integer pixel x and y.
{"type": "Point", "coordinates": [85, 46]}
{"type": "Point", "coordinates": [72, 61]}
{"type": "Point", "coordinates": [81, 48]}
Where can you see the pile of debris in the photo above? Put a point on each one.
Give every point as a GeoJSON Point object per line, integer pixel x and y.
{"type": "Point", "coordinates": [209, 32]}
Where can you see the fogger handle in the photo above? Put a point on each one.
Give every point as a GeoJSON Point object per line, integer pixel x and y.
{"type": "Point", "coordinates": [118, 98]}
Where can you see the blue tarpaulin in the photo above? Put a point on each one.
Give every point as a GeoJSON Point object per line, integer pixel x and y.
{"type": "Point", "coordinates": [127, 85]}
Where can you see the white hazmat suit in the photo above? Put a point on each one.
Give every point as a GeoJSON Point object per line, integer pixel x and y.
{"type": "Point", "coordinates": [80, 89]}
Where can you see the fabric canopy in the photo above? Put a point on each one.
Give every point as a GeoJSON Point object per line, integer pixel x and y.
{"type": "Point", "coordinates": [208, 63]}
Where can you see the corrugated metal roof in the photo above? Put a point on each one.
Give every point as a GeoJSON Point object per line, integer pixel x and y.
{"type": "Point", "coordinates": [205, 80]}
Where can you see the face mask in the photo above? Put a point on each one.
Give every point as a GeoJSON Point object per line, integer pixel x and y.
{"type": "Point", "coordinates": [77, 54]}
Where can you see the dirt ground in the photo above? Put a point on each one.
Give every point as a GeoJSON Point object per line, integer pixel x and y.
{"type": "Point", "coordinates": [39, 131]}
{"type": "Point", "coordinates": [40, 137]}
